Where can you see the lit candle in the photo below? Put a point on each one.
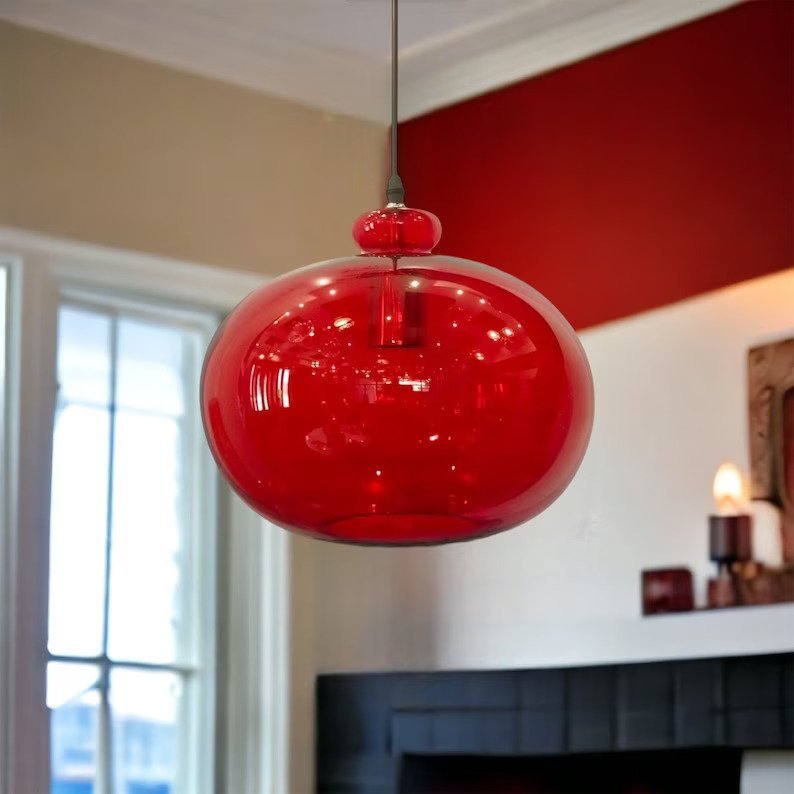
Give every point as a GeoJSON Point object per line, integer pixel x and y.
{"type": "Point", "coordinates": [730, 493]}
{"type": "Point", "coordinates": [729, 534]}
{"type": "Point", "coordinates": [730, 529]}
{"type": "Point", "coordinates": [731, 499]}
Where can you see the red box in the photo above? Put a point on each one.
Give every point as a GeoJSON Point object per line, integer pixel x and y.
{"type": "Point", "coordinates": [667, 590]}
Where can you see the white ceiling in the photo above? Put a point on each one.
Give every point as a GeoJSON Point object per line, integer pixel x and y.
{"type": "Point", "coordinates": [333, 54]}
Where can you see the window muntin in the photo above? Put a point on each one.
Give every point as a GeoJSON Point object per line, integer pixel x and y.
{"type": "Point", "coordinates": [127, 649]}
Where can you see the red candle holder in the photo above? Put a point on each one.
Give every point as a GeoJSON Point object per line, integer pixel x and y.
{"type": "Point", "coordinates": [667, 590]}
{"type": "Point", "coordinates": [730, 544]}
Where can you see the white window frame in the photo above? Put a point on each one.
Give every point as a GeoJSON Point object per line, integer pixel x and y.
{"type": "Point", "coordinates": [199, 696]}
{"type": "Point", "coordinates": [251, 743]}
{"type": "Point", "coordinates": [10, 299]}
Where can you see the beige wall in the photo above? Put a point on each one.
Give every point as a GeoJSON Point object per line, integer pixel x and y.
{"type": "Point", "coordinates": [105, 148]}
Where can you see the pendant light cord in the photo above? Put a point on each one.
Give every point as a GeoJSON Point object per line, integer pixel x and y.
{"type": "Point", "coordinates": [395, 193]}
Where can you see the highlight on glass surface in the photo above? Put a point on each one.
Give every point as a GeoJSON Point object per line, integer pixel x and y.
{"type": "Point", "coordinates": [397, 397]}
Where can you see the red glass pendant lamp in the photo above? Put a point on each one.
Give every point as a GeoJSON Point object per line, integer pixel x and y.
{"type": "Point", "coordinates": [397, 397]}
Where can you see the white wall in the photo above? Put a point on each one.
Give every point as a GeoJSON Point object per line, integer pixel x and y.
{"type": "Point", "coordinates": [564, 589]}
{"type": "Point", "coordinates": [768, 772]}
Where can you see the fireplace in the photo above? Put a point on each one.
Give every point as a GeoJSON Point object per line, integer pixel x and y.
{"type": "Point", "coordinates": [709, 771]}
{"type": "Point", "coordinates": [635, 725]}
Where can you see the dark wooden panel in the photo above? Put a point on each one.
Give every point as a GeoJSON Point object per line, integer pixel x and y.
{"type": "Point", "coordinates": [481, 731]}
{"type": "Point", "coordinates": [645, 706]}
{"type": "Point", "coordinates": [541, 689]}
{"type": "Point", "coordinates": [541, 732]}
{"type": "Point", "coordinates": [366, 723]}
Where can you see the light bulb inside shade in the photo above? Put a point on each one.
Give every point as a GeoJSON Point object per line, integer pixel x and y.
{"type": "Point", "coordinates": [729, 489]}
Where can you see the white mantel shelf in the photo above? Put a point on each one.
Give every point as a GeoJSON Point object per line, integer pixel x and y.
{"type": "Point", "coordinates": [745, 631]}
{"type": "Point", "coordinates": [700, 634]}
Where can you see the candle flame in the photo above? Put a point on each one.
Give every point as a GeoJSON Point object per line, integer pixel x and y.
{"type": "Point", "coordinates": [729, 490]}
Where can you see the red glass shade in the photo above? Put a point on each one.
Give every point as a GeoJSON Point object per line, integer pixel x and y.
{"type": "Point", "coordinates": [397, 397]}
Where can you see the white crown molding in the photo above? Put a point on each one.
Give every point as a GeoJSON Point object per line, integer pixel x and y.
{"type": "Point", "coordinates": [514, 49]}
{"type": "Point", "coordinates": [466, 62]}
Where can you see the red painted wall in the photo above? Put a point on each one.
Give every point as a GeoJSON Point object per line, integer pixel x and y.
{"type": "Point", "coordinates": [630, 180]}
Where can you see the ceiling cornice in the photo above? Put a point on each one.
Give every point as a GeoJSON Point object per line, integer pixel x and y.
{"type": "Point", "coordinates": [514, 49]}
{"type": "Point", "coordinates": [501, 50]}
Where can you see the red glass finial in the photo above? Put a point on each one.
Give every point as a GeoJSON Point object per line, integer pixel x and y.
{"type": "Point", "coordinates": [397, 231]}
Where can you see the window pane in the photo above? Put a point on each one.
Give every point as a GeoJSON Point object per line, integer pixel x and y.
{"type": "Point", "coordinates": [150, 367]}
{"type": "Point", "coordinates": [83, 356]}
{"type": "Point", "coordinates": [67, 681]}
{"type": "Point", "coordinates": [78, 520]}
{"type": "Point", "coordinates": [145, 707]}
{"type": "Point", "coordinates": [122, 451]}
{"type": "Point", "coordinates": [74, 699]}
{"type": "Point", "coordinates": [147, 554]}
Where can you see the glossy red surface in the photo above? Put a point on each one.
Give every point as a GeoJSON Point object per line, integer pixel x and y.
{"type": "Point", "coordinates": [397, 231]}
{"type": "Point", "coordinates": [421, 399]}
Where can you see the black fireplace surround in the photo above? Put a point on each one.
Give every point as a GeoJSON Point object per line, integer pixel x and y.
{"type": "Point", "coordinates": [371, 727]}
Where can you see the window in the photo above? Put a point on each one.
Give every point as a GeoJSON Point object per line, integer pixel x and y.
{"type": "Point", "coordinates": [132, 528]}
{"type": "Point", "coordinates": [117, 548]}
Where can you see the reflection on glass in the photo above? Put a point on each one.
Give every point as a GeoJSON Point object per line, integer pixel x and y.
{"type": "Point", "coordinates": [83, 356]}
{"type": "Point", "coordinates": [67, 681]}
{"type": "Point", "coordinates": [78, 514]}
{"type": "Point", "coordinates": [144, 712]}
{"type": "Point", "coordinates": [150, 368]}
{"type": "Point", "coordinates": [148, 482]}
{"type": "Point", "coordinates": [74, 700]}
{"type": "Point", "coordinates": [145, 593]}
{"type": "Point", "coordinates": [78, 522]}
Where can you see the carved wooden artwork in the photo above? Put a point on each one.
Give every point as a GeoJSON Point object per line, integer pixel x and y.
{"type": "Point", "coordinates": [771, 393]}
